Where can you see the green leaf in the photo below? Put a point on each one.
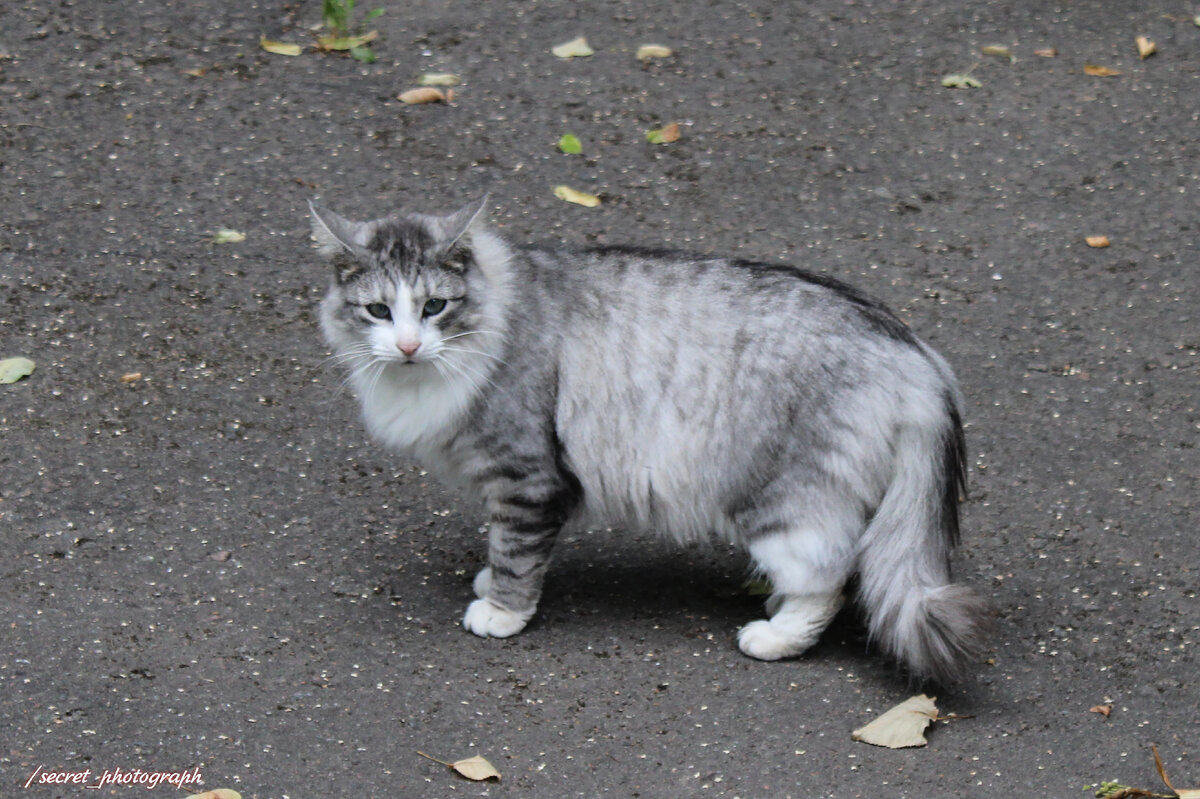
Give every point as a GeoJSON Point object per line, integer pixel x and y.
{"type": "Point", "coordinates": [364, 54]}
{"type": "Point", "coordinates": [570, 144]}
{"type": "Point", "coordinates": [372, 14]}
{"type": "Point", "coordinates": [960, 81]}
{"type": "Point", "coordinates": [13, 369]}
{"type": "Point", "coordinates": [664, 135]}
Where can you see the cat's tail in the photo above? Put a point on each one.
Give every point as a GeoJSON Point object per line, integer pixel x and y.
{"type": "Point", "coordinates": [933, 627]}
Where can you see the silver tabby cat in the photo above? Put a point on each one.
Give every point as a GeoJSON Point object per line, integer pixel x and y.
{"type": "Point", "coordinates": [691, 395]}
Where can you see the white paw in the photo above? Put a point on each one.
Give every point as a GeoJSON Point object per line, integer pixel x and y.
{"type": "Point", "coordinates": [491, 621]}
{"type": "Point", "coordinates": [483, 581]}
{"type": "Point", "coordinates": [760, 640]}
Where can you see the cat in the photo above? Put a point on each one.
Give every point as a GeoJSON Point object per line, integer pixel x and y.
{"type": "Point", "coordinates": [692, 395]}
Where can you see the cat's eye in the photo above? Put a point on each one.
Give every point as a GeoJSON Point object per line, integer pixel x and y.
{"type": "Point", "coordinates": [433, 306]}
{"type": "Point", "coordinates": [378, 310]}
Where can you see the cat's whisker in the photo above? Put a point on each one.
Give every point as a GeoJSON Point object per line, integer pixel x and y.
{"type": "Point", "coordinates": [495, 358]}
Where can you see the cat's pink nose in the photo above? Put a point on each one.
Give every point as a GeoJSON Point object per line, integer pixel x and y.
{"type": "Point", "coordinates": [409, 348]}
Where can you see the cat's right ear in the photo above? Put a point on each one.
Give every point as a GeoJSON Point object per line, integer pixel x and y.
{"type": "Point", "coordinates": [335, 234]}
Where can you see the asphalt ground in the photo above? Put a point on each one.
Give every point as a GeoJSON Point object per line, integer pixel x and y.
{"type": "Point", "coordinates": [209, 566]}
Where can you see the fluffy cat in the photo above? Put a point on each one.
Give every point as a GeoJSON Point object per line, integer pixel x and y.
{"type": "Point", "coordinates": [692, 395]}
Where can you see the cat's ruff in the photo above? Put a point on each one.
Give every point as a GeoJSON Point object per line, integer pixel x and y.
{"type": "Point", "coordinates": [696, 396]}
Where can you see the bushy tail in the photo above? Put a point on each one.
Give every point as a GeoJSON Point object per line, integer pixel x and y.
{"type": "Point", "coordinates": [914, 613]}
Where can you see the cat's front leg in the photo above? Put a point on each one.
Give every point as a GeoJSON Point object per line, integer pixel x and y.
{"type": "Point", "coordinates": [519, 548]}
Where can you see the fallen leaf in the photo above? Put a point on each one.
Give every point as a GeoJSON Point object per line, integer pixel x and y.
{"type": "Point", "coordinates": [1103, 710]}
{"type": "Point", "coordinates": [279, 48]}
{"type": "Point", "coordinates": [1098, 242]}
{"type": "Point", "coordinates": [222, 556]}
{"type": "Point", "coordinates": [902, 726]}
{"type": "Point", "coordinates": [570, 144]}
{"type": "Point", "coordinates": [476, 768]}
{"type": "Point", "coordinates": [577, 197]}
{"type": "Point", "coordinates": [1196, 20]}
{"type": "Point", "coordinates": [439, 79]}
{"type": "Point", "coordinates": [13, 369]}
{"type": "Point", "coordinates": [576, 48]}
{"type": "Point", "coordinates": [998, 50]}
{"type": "Point", "coordinates": [227, 236]}
{"type": "Point", "coordinates": [425, 94]}
{"type": "Point", "coordinates": [663, 135]}
{"type": "Point", "coordinates": [198, 72]}
{"type": "Point", "coordinates": [1046, 52]}
{"type": "Point", "coordinates": [1098, 71]}
{"type": "Point", "coordinates": [1145, 47]}
{"type": "Point", "coordinates": [131, 377]}
{"type": "Point", "coordinates": [648, 52]}
{"type": "Point", "coordinates": [219, 793]}
{"type": "Point", "coordinates": [473, 768]}
{"type": "Point", "coordinates": [331, 42]}
{"type": "Point", "coordinates": [1181, 793]}
{"type": "Point", "coordinates": [961, 81]}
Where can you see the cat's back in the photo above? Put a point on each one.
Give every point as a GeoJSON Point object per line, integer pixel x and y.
{"type": "Point", "coordinates": [627, 289]}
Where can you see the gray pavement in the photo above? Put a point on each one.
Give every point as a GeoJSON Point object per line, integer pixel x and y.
{"type": "Point", "coordinates": [209, 567]}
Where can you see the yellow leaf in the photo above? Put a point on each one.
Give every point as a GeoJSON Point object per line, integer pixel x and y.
{"type": "Point", "coordinates": [219, 793]}
{"type": "Point", "coordinates": [576, 48]}
{"type": "Point", "coordinates": [13, 369]}
{"type": "Point", "coordinates": [279, 48]}
{"type": "Point", "coordinates": [1145, 47]}
{"type": "Point", "coordinates": [577, 197]}
{"type": "Point", "coordinates": [1098, 71]}
{"type": "Point", "coordinates": [650, 51]}
{"type": "Point", "coordinates": [902, 726]}
{"type": "Point", "coordinates": [227, 236]}
{"type": "Point", "coordinates": [473, 768]}
{"type": "Point", "coordinates": [426, 94]}
{"type": "Point", "coordinates": [1098, 242]}
{"type": "Point", "coordinates": [1046, 52]}
{"type": "Point", "coordinates": [439, 79]}
{"type": "Point", "coordinates": [476, 768]}
{"type": "Point", "coordinates": [998, 50]}
{"type": "Point", "coordinates": [131, 377]}
{"type": "Point", "coordinates": [331, 42]}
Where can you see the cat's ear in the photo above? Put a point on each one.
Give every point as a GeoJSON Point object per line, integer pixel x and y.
{"type": "Point", "coordinates": [453, 227]}
{"type": "Point", "coordinates": [336, 234]}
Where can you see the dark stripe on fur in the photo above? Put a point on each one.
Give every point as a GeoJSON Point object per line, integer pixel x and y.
{"type": "Point", "coordinates": [954, 471]}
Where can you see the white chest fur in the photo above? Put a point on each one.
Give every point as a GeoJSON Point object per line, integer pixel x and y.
{"type": "Point", "coordinates": [413, 408]}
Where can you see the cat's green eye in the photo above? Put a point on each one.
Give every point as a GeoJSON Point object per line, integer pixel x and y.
{"type": "Point", "coordinates": [433, 306]}
{"type": "Point", "coordinates": [378, 310]}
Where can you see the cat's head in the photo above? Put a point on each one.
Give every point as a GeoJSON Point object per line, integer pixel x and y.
{"type": "Point", "coordinates": [412, 290]}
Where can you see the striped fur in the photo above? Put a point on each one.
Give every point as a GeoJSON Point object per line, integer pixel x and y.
{"type": "Point", "coordinates": [696, 396]}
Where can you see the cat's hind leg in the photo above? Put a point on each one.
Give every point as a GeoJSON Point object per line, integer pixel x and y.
{"type": "Point", "coordinates": [807, 568]}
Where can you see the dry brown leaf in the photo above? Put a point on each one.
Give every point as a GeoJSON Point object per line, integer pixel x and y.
{"type": "Point", "coordinates": [1103, 710]}
{"type": "Point", "coordinates": [1046, 52]}
{"type": "Point", "coordinates": [1098, 71]}
{"type": "Point", "coordinates": [131, 377]}
{"type": "Point", "coordinates": [902, 726]}
{"type": "Point", "coordinates": [1098, 242]}
{"type": "Point", "coordinates": [664, 135]}
{"type": "Point", "coordinates": [219, 793]}
{"type": "Point", "coordinates": [425, 94]}
{"type": "Point", "coordinates": [578, 197]}
{"type": "Point", "coordinates": [1145, 47]}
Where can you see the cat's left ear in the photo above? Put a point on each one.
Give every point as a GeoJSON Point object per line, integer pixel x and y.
{"type": "Point", "coordinates": [454, 227]}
